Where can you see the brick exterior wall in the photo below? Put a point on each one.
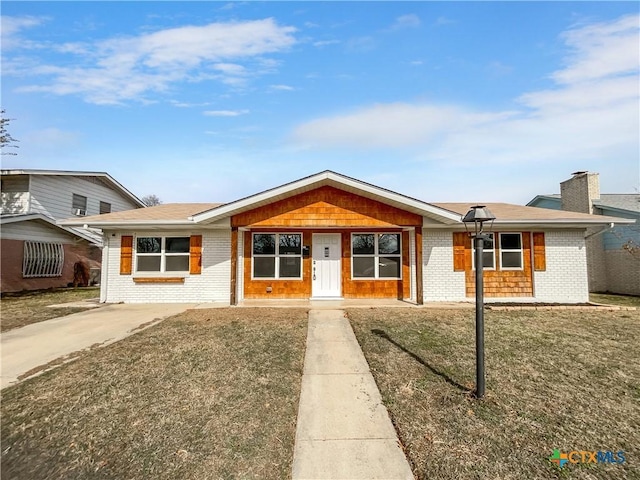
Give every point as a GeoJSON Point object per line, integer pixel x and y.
{"type": "Point", "coordinates": [440, 282]}
{"type": "Point", "coordinates": [614, 271]}
{"type": "Point", "coordinates": [578, 192]}
{"type": "Point", "coordinates": [11, 257]}
{"type": "Point", "coordinates": [565, 279]}
{"type": "Point", "coordinates": [212, 285]}
{"type": "Point", "coordinates": [623, 272]}
{"type": "Point", "coordinates": [596, 262]}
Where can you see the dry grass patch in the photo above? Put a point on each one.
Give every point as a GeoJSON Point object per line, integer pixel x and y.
{"type": "Point", "coordinates": [612, 299]}
{"type": "Point", "coordinates": [555, 379]}
{"type": "Point", "coordinates": [23, 308]}
{"type": "Point", "coordinates": [208, 394]}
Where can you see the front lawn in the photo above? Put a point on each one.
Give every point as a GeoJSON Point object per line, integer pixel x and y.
{"type": "Point", "coordinates": [612, 299]}
{"type": "Point", "coordinates": [567, 380]}
{"type": "Point", "coordinates": [23, 308]}
{"type": "Point", "coordinates": [208, 394]}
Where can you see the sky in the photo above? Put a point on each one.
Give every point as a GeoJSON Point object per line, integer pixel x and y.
{"type": "Point", "coordinates": [214, 101]}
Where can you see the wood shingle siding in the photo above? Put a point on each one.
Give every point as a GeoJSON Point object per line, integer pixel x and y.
{"type": "Point", "coordinates": [498, 282]}
{"type": "Point", "coordinates": [326, 207]}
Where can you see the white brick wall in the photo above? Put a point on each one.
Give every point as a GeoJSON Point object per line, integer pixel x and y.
{"type": "Point", "coordinates": [440, 282]}
{"type": "Point", "coordinates": [565, 279]}
{"type": "Point", "coordinates": [412, 265]}
{"type": "Point", "coordinates": [213, 285]}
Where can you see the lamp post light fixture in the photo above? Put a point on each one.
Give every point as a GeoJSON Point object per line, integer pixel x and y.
{"type": "Point", "coordinates": [478, 215]}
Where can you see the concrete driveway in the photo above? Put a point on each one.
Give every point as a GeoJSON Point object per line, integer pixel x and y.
{"type": "Point", "coordinates": [27, 348]}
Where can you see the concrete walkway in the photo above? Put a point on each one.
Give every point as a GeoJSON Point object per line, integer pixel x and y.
{"type": "Point", "coordinates": [343, 430]}
{"type": "Point", "coordinates": [33, 346]}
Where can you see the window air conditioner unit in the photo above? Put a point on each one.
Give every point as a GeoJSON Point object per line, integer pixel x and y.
{"type": "Point", "coordinates": [78, 212]}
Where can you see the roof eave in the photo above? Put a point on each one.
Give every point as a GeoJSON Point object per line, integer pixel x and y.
{"type": "Point", "coordinates": [321, 179]}
{"type": "Point", "coordinates": [127, 224]}
{"type": "Point", "coordinates": [118, 185]}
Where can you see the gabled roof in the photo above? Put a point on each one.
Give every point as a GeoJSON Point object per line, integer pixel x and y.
{"type": "Point", "coordinates": [164, 214]}
{"type": "Point", "coordinates": [111, 182]}
{"type": "Point", "coordinates": [443, 215]}
{"type": "Point", "coordinates": [618, 201]}
{"type": "Point", "coordinates": [95, 239]}
{"type": "Point", "coordinates": [329, 178]}
{"type": "Point", "coordinates": [507, 213]}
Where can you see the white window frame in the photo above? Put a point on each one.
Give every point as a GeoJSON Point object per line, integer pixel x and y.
{"type": "Point", "coordinates": [78, 204]}
{"type": "Point", "coordinates": [42, 259]}
{"type": "Point", "coordinates": [277, 255]}
{"type": "Point", "coordinates": [484, 250]}
{"type": "Point", "coordinates": [163, 255]}
{"type": "Point", "coordinates": [512, 250]}
{"type": "Point", "coordinates": [376, 255]}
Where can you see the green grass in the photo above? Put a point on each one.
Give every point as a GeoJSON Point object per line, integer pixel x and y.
{"type": "Point", "coordinates": [556, 379]}
{"type": "Point", "coordinates": [25, 308]}
{"type": "Point", "coordinates": [208, 394]}
{"type": "Point", "coordinates": [611, 299]}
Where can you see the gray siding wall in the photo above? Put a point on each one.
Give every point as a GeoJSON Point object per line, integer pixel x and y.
{"type": "Point", "coordinates": [35, 231]}
{"type": "Point", "coordinates": [52, 195]}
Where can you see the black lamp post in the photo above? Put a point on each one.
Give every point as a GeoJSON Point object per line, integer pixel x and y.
{"type": "Point", "coordinates": [477, 216]}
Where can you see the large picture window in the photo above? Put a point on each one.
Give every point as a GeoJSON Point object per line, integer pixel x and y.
{"type": "Point", "coordinates": [376, 255]}
{"type": "Point", "coordinates": [42, 259]}
{"type": "Point", "coordinates": [488, 253]}
{"type": "Point", "coordinates": [162, 254]}
{"type": "Point", "coordinates": [277, 255]}
{"type": "Point", "coordinates": [511, 251]}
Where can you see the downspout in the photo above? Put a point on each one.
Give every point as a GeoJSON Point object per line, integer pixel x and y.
{"type": "Point", "coordinates": [600, 232]}
{"type": "Point", "coordinates": [104, 268]}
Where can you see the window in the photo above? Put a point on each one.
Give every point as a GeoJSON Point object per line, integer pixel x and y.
{"type": "Point", "coordinates": [376, 255]}
{"type": "Point", "coordinates": [162, 254]}
{"type": "Point", "coordinates": [105, 208]}
{"type": "Point", "coordinates": [511, 251]}
{"type": "Point", "coordinates": [79, 205]}
{"type": "Point", "coordinates": [42, 259]}
{"type": "Point", "coordinates": [285, 261]}
{"type": "Point", "coordinates": [488, 253]}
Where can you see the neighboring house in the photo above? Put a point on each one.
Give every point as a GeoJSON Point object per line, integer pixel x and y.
{"type": "Point", "coordinates": [36, 252]}
{"type": "Point", "coordinates": [613, 254]}
{"type": "Point", "coordinates": [329, 236]}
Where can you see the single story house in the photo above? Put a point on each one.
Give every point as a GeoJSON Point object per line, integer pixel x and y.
{"type": "Point", "coordinates": [329, 236]}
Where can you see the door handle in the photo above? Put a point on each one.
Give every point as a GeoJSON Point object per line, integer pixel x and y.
{"type": "Point", "coordinates": [314, 272]}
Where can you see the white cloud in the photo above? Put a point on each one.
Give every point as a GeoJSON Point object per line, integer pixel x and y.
{"type": "Point", "coordinates": [590, 113]}
{"type": "Point", "coordinates": [406, 21]}
{"type": "Point", "coordinates": [324, 43]}
{"type": "Point", "coordinates": [282, 88]}
{"type": "Point", "coordinates": [225, 113]}
{"type": "Point", "coordinates": [601, 50]}
{"type": "Point", "coordinates": [120, 69]}
{"type": "Point", "coordinates": [11, 27]}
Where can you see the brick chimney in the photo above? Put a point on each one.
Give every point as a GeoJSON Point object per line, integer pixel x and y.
{"type": "Point", "coordinates": [579, 192]}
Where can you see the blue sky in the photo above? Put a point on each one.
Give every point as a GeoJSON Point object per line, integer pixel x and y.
{"type": "Point", "coordinates": [213, 101]}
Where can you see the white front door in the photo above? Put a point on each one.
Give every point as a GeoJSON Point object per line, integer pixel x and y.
{"type": "Point", "coordinates": [326, 265]}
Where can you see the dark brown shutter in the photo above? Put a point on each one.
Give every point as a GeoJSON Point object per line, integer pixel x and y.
{"type": "Point", "coordinates": [195, 255]}
{"type": "Point", "coordinates": [126, 254]}
{"type": "Point", "coordinates": [539, 254]}
{"type": "Point", "coordinates": [459, 244]}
